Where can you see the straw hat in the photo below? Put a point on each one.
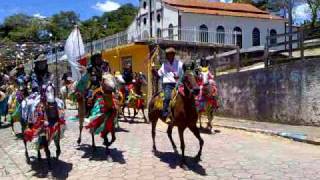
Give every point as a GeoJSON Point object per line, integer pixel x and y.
{"type": "Point", "coordinates": [117, 73]}
{"type": "Point", "coordinates": [41, 58]}
{"type": "Point", "coordinates": [170, 50]}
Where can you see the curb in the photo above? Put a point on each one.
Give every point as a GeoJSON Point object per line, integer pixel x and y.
{"type": "Point", "coordinates": [271, 133]}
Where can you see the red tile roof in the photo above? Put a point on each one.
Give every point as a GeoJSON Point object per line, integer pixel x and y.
{"type": "Point", "coordinates": [220, 9]}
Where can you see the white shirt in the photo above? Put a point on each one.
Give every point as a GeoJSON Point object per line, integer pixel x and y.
{"type": "Point", "coordinates": [168, 71]}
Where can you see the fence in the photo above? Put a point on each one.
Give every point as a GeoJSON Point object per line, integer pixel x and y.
{"type": "Point", "coordinates": [227, 37]}
{"type": "Point", "coordinates": [292, 46]}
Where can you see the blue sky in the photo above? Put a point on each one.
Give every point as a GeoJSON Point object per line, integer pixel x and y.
{"type": "Point", "coordinates": [88, 8]}
{"type": "Point", "coordinates": [44, 8]}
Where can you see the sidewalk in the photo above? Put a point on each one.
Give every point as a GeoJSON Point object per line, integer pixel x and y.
{"type": "Point", "coordinates": [306, 134]}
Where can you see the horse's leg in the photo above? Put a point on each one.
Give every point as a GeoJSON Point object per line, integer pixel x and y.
{"type": "Point", "coordinates": [94, 148]}
{"type": "Point", "coordinates": [169, 132]}
{"type": "Point", "coordinates": [182, 145]}
{"type": "Point", "coordinates": [200, 120]}
{"type": "Point", "coordinates": [48, 154]}
{"type": "Point", "coordinates": [38, 154]}
{"type": "Point", "coordinates": [153, 132]}
{"type": "Point", "coordinates": [57, 144]}
{"type": "Point", "coordinates": [26, 151]}
{"type": "Point", "coordinates": [196, 133]}
{"type": "Point", "coordinates": [81, 114]}
{"type": "Point", "coordinates": [210, 118]}
{"type": "Point", "coordinates": [144, 115]}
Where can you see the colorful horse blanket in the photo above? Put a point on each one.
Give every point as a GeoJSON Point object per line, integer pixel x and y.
{"type": "Point", "coordinates": [102, 115]}
{"type": "Point", "coordinates": [44, 119]}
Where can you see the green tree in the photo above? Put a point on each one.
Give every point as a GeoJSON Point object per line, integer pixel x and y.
{"type": "Point", "coordinates": [61, 24]}
{"type": "Point", "coordinates": [314, 6]}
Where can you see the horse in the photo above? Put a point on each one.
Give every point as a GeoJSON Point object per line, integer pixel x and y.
{"type": "Point", "coordinates": [103, 114]}
{"type": "Point", "coordinates": [136, 96]}
{"type": "Point", "coordinates": [207, 102]}
{"type": "Point", "coordinates": [183, 111]}
{"type": "Point", "coordinates": [44, 115]}
{"type": "Point", "coordinates": [65, 92]}
{"type": "Point", "coordinates": [120, 94]}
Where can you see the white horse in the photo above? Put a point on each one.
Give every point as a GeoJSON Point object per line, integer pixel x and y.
{"type": "Point", "coordinates": [45, 121]}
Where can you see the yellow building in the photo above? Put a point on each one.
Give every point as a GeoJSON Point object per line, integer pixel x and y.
{"type": "Point", "coordinates": [137, 55]}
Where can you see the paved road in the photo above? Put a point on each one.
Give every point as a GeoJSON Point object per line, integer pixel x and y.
{"type": "Point", "coordinates": [230, 154]}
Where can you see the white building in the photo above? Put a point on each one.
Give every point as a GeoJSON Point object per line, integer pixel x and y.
{"type": "Point", "coordinates": [204, 22]}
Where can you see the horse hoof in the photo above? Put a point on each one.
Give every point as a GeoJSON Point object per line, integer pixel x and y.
{"type": "Point", "coordinates": [79, 141]}
{"type": "Point", "coordinates": [28, 161]}
{"type": "Point", "coordinates": [197, 158]}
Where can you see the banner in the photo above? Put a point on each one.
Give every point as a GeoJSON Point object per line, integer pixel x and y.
{"type": "Point", "coordinates": [74, 49]}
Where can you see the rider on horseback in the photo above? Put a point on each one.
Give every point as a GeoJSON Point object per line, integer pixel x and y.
{"type": "Point", "coordinates": [41, 75]}
{"type": "Point", "coordinates": [170, 72]}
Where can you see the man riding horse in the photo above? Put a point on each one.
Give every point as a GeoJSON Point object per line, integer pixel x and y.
{"type": "Point", "coordinates": [170, 72]}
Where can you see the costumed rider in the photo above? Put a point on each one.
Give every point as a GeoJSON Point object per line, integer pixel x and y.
{"type": "Point", "coordinates": [41, 75]}
{"type": "Point", "coordinates": [170, 72]}
{"type": "Point", "coordinates": [94, 71]}
{"type": "Point", "coordinates": [22, 80]}
{"type": "Point", "coordinates": [207, 84]}
{"type": "Point", "coordinates": [128, 78]}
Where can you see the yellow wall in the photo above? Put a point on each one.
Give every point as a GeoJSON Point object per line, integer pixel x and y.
{"type": "Point", "coordinates": [138, 53]}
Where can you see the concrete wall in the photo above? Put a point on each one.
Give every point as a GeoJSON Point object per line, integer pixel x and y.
{"type": "Point", "coordinates": [287, 93]}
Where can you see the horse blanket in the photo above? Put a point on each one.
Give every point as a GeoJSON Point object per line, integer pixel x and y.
{"type": "Point", "coordinates": [43, 119]}
{"type": "Point", "coordinates": [102, 115]}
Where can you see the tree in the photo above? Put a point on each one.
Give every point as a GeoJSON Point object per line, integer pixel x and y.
{"type": "Point", "coordinates": [314, 6]}
{"type": "Point", "coordinates": [61, 24]}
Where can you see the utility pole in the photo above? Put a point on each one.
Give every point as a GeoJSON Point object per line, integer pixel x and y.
{"type": "Point", "coordinates": [290, 7]}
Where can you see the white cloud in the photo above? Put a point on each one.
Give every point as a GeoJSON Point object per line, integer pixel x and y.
{"type": "Point", "coordinates": [301, 13]}
{"type": "Point", "coordinates": [38, 15]}
{"type": "Point", "coordinates": [106, 6]}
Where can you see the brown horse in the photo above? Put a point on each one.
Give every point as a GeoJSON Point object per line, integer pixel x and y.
{"type": "Point", "coordinates": [183, 112]}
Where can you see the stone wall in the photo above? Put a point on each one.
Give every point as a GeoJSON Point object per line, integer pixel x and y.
{"type": "Point", "coordinates": [287, 93]}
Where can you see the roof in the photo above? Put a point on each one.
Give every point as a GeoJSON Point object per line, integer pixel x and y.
{"type": "Point", "coordinates": [220, 9]}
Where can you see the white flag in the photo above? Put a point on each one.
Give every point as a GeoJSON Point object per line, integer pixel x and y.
{"type": "Point", "coordinates": [74, 49]}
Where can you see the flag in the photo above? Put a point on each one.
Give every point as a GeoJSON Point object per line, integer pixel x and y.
{"type": "Point", "coordinates": [74, 49]}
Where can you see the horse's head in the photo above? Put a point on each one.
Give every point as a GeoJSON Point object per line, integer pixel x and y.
{"type": "Point", "coordinates": [108, 83]}
{"type": "Point", "coordinates": [140, 78]}
{"type": "Point", "coordinates": [49, 93]}
{"type": "Point", "coordinates": [189, 79]}
{"type": "Point", "coordinates": [119, 78]}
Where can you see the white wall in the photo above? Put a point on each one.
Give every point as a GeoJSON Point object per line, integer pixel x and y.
{"type": "Point", "coordinates": [190, 21]}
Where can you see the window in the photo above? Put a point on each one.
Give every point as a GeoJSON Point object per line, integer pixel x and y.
{"type": "Point", "coordinates": [203, 35]}
{"type": "Point", "coordinates": [144, 5]}
{"type": "Point", "coordinates": [159, 17]}
{"type": "Point", "coordinates": [159, 33]}
{"type": "Point", "coordinates": [144, 21]}
{"type": "Point", "coordinates": [273, 37]}
{"type": "Point", "coordinates": [145, 35]}
{"type": "Point", "coordinates": [220, 35]}
{"type": "Point", "coordinates": [256, 37]}
{"type": "Point", "coordinates": [170, 31]}
{"type": "Point", "coordinates": [237, 36]}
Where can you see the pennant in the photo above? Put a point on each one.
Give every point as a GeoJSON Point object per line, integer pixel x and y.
{"type": "Point", "coordinates": [74, 49]}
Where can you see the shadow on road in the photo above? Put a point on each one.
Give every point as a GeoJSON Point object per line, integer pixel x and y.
{"type": "Point", "coordinates": [133, 122]}
{"type": "Point", "coordinates": [60, 169]}
{"type": "Point", "coordinates": [4, 126]}
{"type": "Point", "coordinates": [174, 160]}
{"type": "Point", "coordinates": [100, 154]}
{"type": "Point", "coordinates": [208, 131]}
